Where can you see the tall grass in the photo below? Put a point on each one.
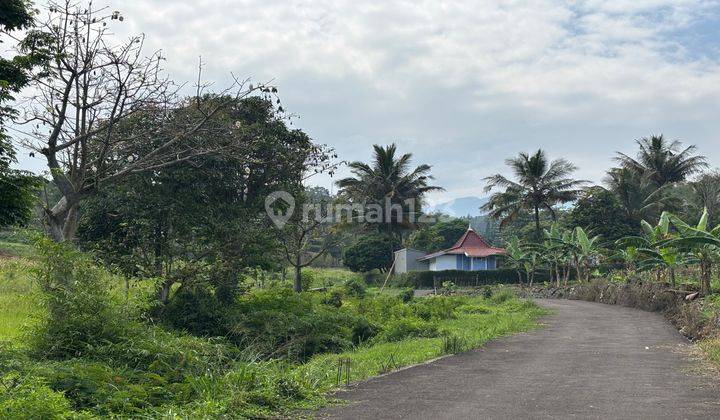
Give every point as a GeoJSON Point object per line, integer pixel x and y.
{"type": "Point", "coordinates": [19, 307]}
{"type": "Point", "coordinates": [326, 277]}
{"type": "Point", "coordinates": [471, 329]}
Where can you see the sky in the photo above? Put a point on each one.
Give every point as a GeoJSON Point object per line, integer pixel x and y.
{"type": "Point", "coordinates": [462, 85]}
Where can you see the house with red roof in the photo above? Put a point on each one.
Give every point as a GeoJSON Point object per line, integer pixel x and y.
{"type": "Point", "coordinates": [470, 253]}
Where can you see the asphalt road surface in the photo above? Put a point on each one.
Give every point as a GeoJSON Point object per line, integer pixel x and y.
{"type": "Point", "coordinates": [589, 361]}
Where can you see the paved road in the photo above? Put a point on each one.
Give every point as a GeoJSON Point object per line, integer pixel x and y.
{"type": "Point", "coordinates": [589, 361]}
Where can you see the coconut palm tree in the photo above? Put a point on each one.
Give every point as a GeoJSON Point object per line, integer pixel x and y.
{"type": "Point", "coordinates": [389, 180]}
{"type": "Point", "coordinates": [663, 161]}
{"type": "Point", "coordinates": [538, 185]}
{"type": "Point", "coordinates": [705, 194]}
{"type": "Point", "coordinates": [637, 195]}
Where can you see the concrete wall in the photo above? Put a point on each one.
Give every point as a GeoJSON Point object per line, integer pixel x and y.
{"type": "Point", "coordinates": [406, 259]}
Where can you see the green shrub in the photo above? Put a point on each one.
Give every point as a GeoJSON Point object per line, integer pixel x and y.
{"type": "Point", "coordinates": [355, 287]}
{"type": "Point", "coordinates": [279, 323]}
{"type": "Point", "coordinates": [170, 354]}
{"type": "Point", "coordinates": [307, 278]}
{"type": "Point", "coordinates": [383, 308]}
{"type": "Point", "coordinates": [400, 329]}
{"type": "Point", "coordinates": [436, 307]}
{"type": "Point", "coordinates": [333, 298]}
{"type": "Point", "coordinates": [448, 288]}
{"type": "Point", "coordinates": [195, 310]}
{"type": "Point", "coordinates": [406, 295]}
{"type": "Point", "coordinates": [31, 398]}
{"type": "Point", "coordinates": [81, 313]}
{"type": "Point", "coordinates": [363, 331]}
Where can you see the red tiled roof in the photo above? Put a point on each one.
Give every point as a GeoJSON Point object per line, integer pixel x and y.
{"type": "Point", "coordinates": [470, 244]}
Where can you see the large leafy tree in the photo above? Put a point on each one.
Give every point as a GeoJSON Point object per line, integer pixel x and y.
{"type": "Point", "coordinates": [15, 15]}
{"type": "Point", "coordinates": [207, 211]}
{"type": "Point", "coordinates": [370, 252]}
{"type": "Point", "coordinates": [17, 188]}
{"type": "Point", "coordinates": [389, 180]}
{"type": "Point", "coordinates": [441, 235]}
{"type": "Point", "coordinates": [598, 211]}
{"type": "Point", "coordinates": [538, 186]}
{"type": "Point", "coordinates": [307, 236]}
{"type": "Point", "coordinates": [663, 161]}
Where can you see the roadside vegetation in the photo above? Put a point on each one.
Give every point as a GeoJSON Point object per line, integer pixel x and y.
{"type": "Point", "coordinates": [75, 344]}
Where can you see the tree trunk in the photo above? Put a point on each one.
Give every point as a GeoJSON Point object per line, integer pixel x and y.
{"type": "Point", "coordinates": [557, 275]}
{"type": "Point", "coordinates": [164, 291]}
{"type": "Point", "coordinates": [672, 276]}
{"type": "Point", "coordinates": [538, 232]}
{"type": "Point", "coordinates": [62, 220]}
{"type": "Point", "coordinates": [578, 269]}
{"type": "Point", "coordinates": [54, 228]}
{"type": "Point", "coordinates": [587, 272]}
{"type": "Point", "coordinates": [520, 281]}
{"type": "Point", "coordinates": [705, 276]}
{"type": "Point", "coordinates": [298, 274]}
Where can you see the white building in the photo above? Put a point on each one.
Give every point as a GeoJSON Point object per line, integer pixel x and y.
{"type": "Point", "coordinates": [470, 253]}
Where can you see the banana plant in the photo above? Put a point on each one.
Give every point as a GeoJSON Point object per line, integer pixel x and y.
{"type": "Point", "coordinates": [699, 241]}
{"type": "Point", "coordinates": [532, 262]}
{"type": "Point", "coordinates": [630, 257]}
{"type": "Point", "coordinates": [556, 251]}
{"type": "Point", "coordinates": [586, 250]}
{"type": "Point", "coordinates": [653, 251]}
{"type": "Point", "coordinates": [666, 258]}
{"type": "Point", "coordinates": [516, 256]}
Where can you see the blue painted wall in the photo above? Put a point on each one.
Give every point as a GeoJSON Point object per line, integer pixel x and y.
{"type": "Point", "coordinates": [475, 264]}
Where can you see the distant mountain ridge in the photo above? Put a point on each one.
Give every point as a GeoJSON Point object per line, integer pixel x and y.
{"type": "Point", "coordinates": [461, 207]}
